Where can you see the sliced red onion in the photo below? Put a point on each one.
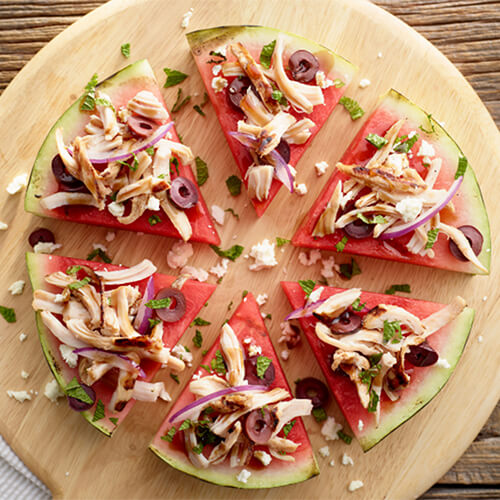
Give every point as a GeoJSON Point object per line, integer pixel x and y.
{"type": "Point", "coordinates": [118, 155]}
{"type": "Point", "coordinates": [282, 170]}
{"type": "Point", "coordinates": [118, 360]}
{"type": "Point", "coordinates": [141, 322]}
{"type": "Point", "coordinates": [402, 229]}
{"type": "Point", "coordinates": [209, 397]}
{"type": "Point", "coordinates": [305, 311]}
{"type": "Point", "coordinates": [246, 139]}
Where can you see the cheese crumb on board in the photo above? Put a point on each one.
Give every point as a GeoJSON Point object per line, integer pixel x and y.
{"type": "Point", "coordinates": [186, 18]}
{"type": "Point", "coordinates": [355, 485]}
{"type": "Point", "coordinates": [264, 256]}
{"type": "Point", "coordinates": [53, 391]}
{"type": "Point", "coordinates": [364, 83]}
{"type": "Point", "coordinates": [243, 476]}
{"type": "Point", "coordinates": [330, 428]}
{"type": "Point", "coordinates": [220, 269]}
{"type": "Point", "coordinates": [20, 396]}
{"type": "Point", "coordinates": [347, 460]}
{"type": "Point", "coordinates": [179, 254]}
{"type": "Point", "coordinates": [218, 214]}
{"type": "Point", "coordinates": [324, 452]}
{"type": "Point", "coordinates": [46, 247]}
{"type": "Point", "coordinates": [22, 337]}
{"type": "Point", "coordinates": [25, 374]}
{"type": "Point", "coordinates": [321, 167]}
{"type": "Point", "coordinates": [197, 273]}
{"type": "Point", "coordinates": [19, 182]}
{"type": "Point", "coordinates": [314, 256]}
{"type": "Point", "coordinates": [17, 287]}
{"type": "Point", "coordinates": [262, 298]}
{"type": "Point", "coordinates": [110, 236]}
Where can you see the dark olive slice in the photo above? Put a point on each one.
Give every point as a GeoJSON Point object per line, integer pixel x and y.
{"type": "Point", "coordinates": [358, 229]}
{"type": "Point", "coordinates": [251, 372]}
{"type": "Point", "coordinates": [313, 389]}
{"type": "Point", "coordinates": [140, 126]}
{"type": "Point", "coordinates": [64, 178]}
{"type": "Point", "coordinates": [77, 405]}
{"type": "Point", "coordinates": [237, 89]}
{"type": "Point", "coordinates": [283, 148]}
{"type": "Point", "coordinates": [41, 235]}
{"type": "Point", "coordinates": [183, 193]}
{"type": "Point", "coordinates": [259, 425]}
{"type": "Point", "coordinates": [303, 66]}
{"type": "Point", "coordinates": [347, 322]}
{"type": "Point", "coordinates": [474, 237]}
{"type": "Point", "coordinates": [177, 307]}
{"type": "Point", "coordinates": [422, 355]}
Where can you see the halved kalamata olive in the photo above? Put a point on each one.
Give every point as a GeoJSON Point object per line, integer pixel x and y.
{"type": "Point", "coordinates": [183, 193]}
{"type": "Point", "coordinates": [313, 389]}
{"type": "Point", "coordinates": [303, 66]}
{"type": "Point", "coordinates": [140, 126]}
{"type": "Point", "coordinates": [422, 355]}
{"type": "Point", "coordinates": [358, 229]}
{"type": "Point", "coordinates": [347, 322]}
{"type": "Point", "coordinates": [41, 235]}
{"type": "Point", "coordinates": [177, 307]}
{"type": "Point", "coordinates": [77, 405]}
{"type": "Point", "coordinates": [259, 425]}
{"type": "Point", "coordinates": [237, 90]}
{"type": "Point", "coordinates": [65, 179]}
{"type": "Point", "coordinates": [251, 372]}
{"type": "Point", "coordinates": [283, 148]}
{"type": "Point", "coordinates": [474, 237]}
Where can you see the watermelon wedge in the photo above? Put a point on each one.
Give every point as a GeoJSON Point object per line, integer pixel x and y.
{"type": "Point", "coordinates": [425, 382]}
{"type": "Point", "coordinates": [40, 265]}
{"type": "Point", "coordinates": [468, 208]}
{"type": "Point", "coordinates": [120, 88]}
{"type": "Point", "coordinates": [211, 51]}
{"type": "Point", "coordinates": [249, 328]}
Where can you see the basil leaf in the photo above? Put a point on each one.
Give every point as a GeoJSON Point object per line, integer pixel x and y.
{"type": "Point", "coordinates": [341, 244]}
{"type": "Point", "coordinates": [99, 252]}
{"type": "Point", "coordinates": [153, 220]}
{"type": "Point", "coordinates": [398, 288]}
{"type": "Point", "coordinates": [197, 108]}
{"type": "Point", "coordinates": [352, 107]}
{"type": "Point", "coordinates": [462, 166]}
{"type": "Point", "coordinates": [357, 306]}
{"type": "Point", "coordinates": [432, 235]}
{"type": "Point", "coordinates": [404, 143]}
{"type": "Point", "coordinates": [288, 427]}
{"type": "Point", "coordinates": [8, 314]}
{"type": "Point", "coordinates": [113, 420]}
{"type": "Point", "coordinates": [76, 391]}
{"type": "Point", "coordinates": [281, 241]}
{"type": "Point", "coordinates": [218, 365]}
{"type": "Point", "coordinates": [88, 99]}
{"type": "Point", "coordinates": [345, 437]}
{"type": "Point", "coordinates": [231, 253]}
{"type": "Point", "coordinates": [200, 322]}
{"type": "Point", "coordinates": [376, 140]}
{"type": "Point", "coordinates": [262, 365]}
{"type": "Point", "coordinates": [99, 412]}
{"type": "Point", "coordinates": [125, 50]}
{"type": "Point", "coordinates": [392, 332]}
{"type": "Point", "coordinates": [78, 284]}
{"type": "Point", "coordinates": [198, 338]}
{"type": "Point", "coordinates": [176, 378]}
{"type": "Point", "coordinates": [233, 184]}
{"type": "Point", "coordinates": [201, 171]}
{"type": "Point", "coordinates": [159, 303]}
{"type": "Point", "coordinates": [319, 414]}
{"type": "Point", "coordinates": [169, 436]}
{"type": "Point", "coordinates": [372, 406]}
{"type": "Point", "coordinates": [73, 269]}
{"type": "Point", "coordinates": [153, 322]}
{"type": "Point", "coordinates": [266, 54]}
{"type": "Point", "coordinates": [174, 77]}
{"type": "Point", "coordinates": [307, 286]}
{"type": "Point", "coordinates": [338, 83]}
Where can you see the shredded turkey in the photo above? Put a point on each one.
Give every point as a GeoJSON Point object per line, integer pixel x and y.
{"type": "Point", "coordinates": [138, 272]}
{"type": "Point", "coordinates": [233, 355]}
{"type": "Point", "coordinates": [146, 104]}
{"type": "Point", "coordinates": [336, 304]}
{"type": "Point", "coordinates": [63, 198]}
{"type": "Point", "coordinates": [259, 178]}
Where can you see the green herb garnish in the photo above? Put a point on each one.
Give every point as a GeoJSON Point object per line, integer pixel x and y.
{"type": "Point", "coordinates": [404, 143]}
{"type": "Point", "coordinates": [232, 212]}
{"type": "Point", "coordinates": [201, 171]}
{"type": "Point", "coordinates": [153, 220]}
{"type": "Point", "coordinates": [218, 365]}
{"type": "Point", "coordinates": [432, 235]}
{"type": "Point", "coordinates": [341, 244]}
{"type": "Point", "coordinates": [345, 437]}
{"type": "Point", "coordinates": [376, 219]}
{"type": "Point", "coordinates": [113, 420]}
{"type": "Point", "coordinates": [350, 270]}
{"type": "Point", "coordinates": [398, 288]}
{"type": "Point", "coordinates": [175, 377]}
{"type": "Point", "coordinates": [338, 83]}
{"type": "Point", "coordinates": [125, 50]}
{"type": "Point", "coordinates": [198, 338]}
{"type": "Point", "coordinates": [244, 294]}
{"type": "Point", "coordinates": [233, 184]}
{"type": "Point", "coordinates": [200, 322]}
{"type": "Point", "coordinates": [231, 253]}
{"type": "Point", "coordinates": [352, 107]}
{"type": "Point", "coordinates": [281, 241]}
{"type": "Point", "coordinates": [266, 54]}
{"type": "Point", "coordinates": [174, 164]}
{"type": "Point", "coordinates": [198, 109]}
{"type": "Point", "coordinates": [179, 102]}
{"type": "Point", "coordinates": [153, 322]}
{"type": "Point", "coordinates": [375, 358]}
{"type": "Point", "coordinates": [288, 427]}
{"type": "Point", "coordinates": [8, 314]}
{"type": "Point", "coordinates": [277, 95]}
{"type": "Point", "coordinates": [73, 269]}
{"type": "Point", "coordinates": [78, 284]}
{"type": "Point", "coordinates": [366, 376]}
{"type": "Point", "coordinates": [372, 406]}
{"type": "Point", "coordinates": [230, 305]}
{"type": "Point", "coordinates": [150, 151]}
{"type": "Point", "coordinates": [198, 449]}
{"type": "Point", "coordinates": [206, 367]}
{"type": "Point", "coordinates": [159, 303]}
{"type": "Point", "coordinates": [392, 332]}
{"type": "Point", "coordinates": [262, 365]}
{"type": "Point", "coordinates": [376, 140]}
{"type": "Point", "coordinates": [169, 436]}
{"type": "Point", "coordinates": [174, 77]}
{"type": "Point", "coordinates": [307, 286]}
{"type": "Point", "coordinates": [357, 306]}
{"type": "Point", "coordinates": [99, 252]}
{"type": "Point", "coordinates": [432, 128]}
{"type": "Point", "coordinates": [186, 424]}
{"type": "Point", "coordinates": [99, 412]}
{"type": "Point", "coordinates": [319, 414]}
{"type": "Point", "coordinates": [102, 101]}
{"type": "Point", "coordinates": [76, 391]}
{"type": "Point", "coordinates": [462, 166]}
{"type": "Point", "coordinates": [88, 99]}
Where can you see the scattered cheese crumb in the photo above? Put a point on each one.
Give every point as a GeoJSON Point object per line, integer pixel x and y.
{"type": "Point", "coordinates": [485, 298]}
{"type": "Point", "coordinates": [409, 208]}
{"type": "Point", "coordinates": [197, 273]}
{"type": "Point", "coordinates": [196, 376]}
{"type": "Point", "coordinates": [263, 253]}
{"type": "Point", "coordinates": [22, 337]}
{"type": "Point", "coordinates": [52, 391]}
{"type": "Point", "coordinates": [20, 396]}
{"type": "Point", "coordinates": [443, 363]}
{"type": "Point", "coordinates": [216, 69]}
{"type": "Point", "coordinates": [219, 84]}
{"type": "Point", "coordinates": [220, 269]}
{"type": "Point", "coordinates": [110, 236]}
{"type": "Point", "coordinates": [300, 189]}
{"type": "Point", "coordinates": [186, 18]}
{"type": "Point", "coordinates": [66, 474]}
{"type": "Point", "coordinates": [248, 340]}
{"type": "Point", "coordinates": [3, 226]}
{"type": "Point", "coordinates": [153, 204]}
{"type": "Point", "coordinates": [426, 149]}
{"type": "Point", "coordinates": [17, 287]}
{"type": "Point", "coordinates": [361, 425]}
{"type": "Point", "coordinates": [46, 247]}
{"type": "Point", "coordinates": [315, 295]}
{"type": "Point", "coordinates": [262, 298]}
{"type": "Point", "coordinates": [328, 266]}
{"type": "Point", "coordinates": [480, 339]}
{"type": "Point", "coordinates": [322, 81]}
{"type": "Point", "coordinates": [68, 355]}
{"type": "Point", "coordinates": [355, 485]}
{"type": "Point", "coordinates": [314, 256]}
{"type": "Point", "coordinates": [263, 456]}
{"type": "Point", "coordinates": [321, 167]}
{"type": "Point", "coordinates": [59, 298]}
{"type": "Point", "coordinates": [99, 246]}
{"type": "Point", "coordinates": [364, 83]}
{"type": "Point", "coordinates": [19, 182]}
{"type": "Point", "coordinates": [324, 452]}
{"type": "Point", "coordinates": [379, 55]}
{"type": "Point", "coordinates": [116, 209]}
{"type": "Point", "coordinates": [243, 476]}
{"type": "Point", "coordinates": [254, 350]}
{"type": "Point", "coordinates": [347, 460]}
{"type": "Point", "coordinates": [332, 462]}
{"type": "Point", "coordinates": [218, 214]}
{"type": "Point", "coordinates": [25, 374]}
{"type": "Point", "coordinates": [330, 428]}
{"type": "Point", "coordinates": [179, 254]}
{"type": "Point", "coordinates": [285, 354]}
{"type": "Point", "coordinates": [179, 351]}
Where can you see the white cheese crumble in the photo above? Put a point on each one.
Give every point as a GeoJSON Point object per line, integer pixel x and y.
{"type": "Point", "coordinates": [219, 84]}
{"type": "Point", "coordinates": [153, 204]}
{"type": "Point", "coordinates": [328, 266]}
{"type": "Point", "coordinates": [321, 167]}
{"type": "Point", "coordinates": [364, 83]}
{"type": "Point", "coordinates": [247, 340]}
{"type": "Point", "coordinates": [116, 209]}
{"type": "Point", "coordinates": [254, 350]}
{"type": "Point", "coordinates": [218, 214]}
{"type": "Point", "coordinates": [17, 287]}
{"type": "Point", "coordinates": [196, 376]}
{"type": "Point", "coordinates": [264, 256]}
{"type": "Point", "coordinates": [197, 273]}
{"type": "Point", "coordinates": [243, 476]}
{"type": "Point", "coordinates": [46, 247]}
{"type": "Point", "coordinates": [25, 374]}
{"type": "Point", "coordinates": [322, 81]}
{"type": "Point", "coordinates": [480, 339]}
{"type": "Point", "coordinates": [409, 208]}
{"type": "Point", "coordinates": [397, 162]}
{"type": "Point", "coordinates": [330, 428]}
{"type": "Point", "coordinates": [443, 363]}
{"type": "Point", "coordinates": [20, 396]}
{"type": "Point", "coordinates": [263, 456]}
{"type": "Point", "coordinates": [285, 354]}
{"type": "Point", "coordinates": [347, 460]}
{"type": "Point", "coordinates": [179, 254]}
{"type": "Point", "coordinates": [70, 358]}
{"type": "Point", "coordinates": [315, 295]}
{"type": "Point", "coordinates": [355, 485]}
{"type": "Point", "coordinates": [216, 69]}
{"type": "Point", "coordinates": [485, 298]}
{"type": "Point", "coordinates": [300, 189]}
{"type": "Point", "coordinates": [314, 256]}
{"type": "Point", "coordinates": [110, 236]}
{"type": "Point", "coordinates": [332, 462]}
{"type": "Point", "coordinates": [22, 337]}
{"type": "Point", "coordinates": [52, 391]}
{"type": "Point", "coordinates": [324, 452]}
{"type": "Point", "coordinates": [59, 298]}
{"type": "Point", "coordinates": [186, 18]}
{"type": "Point", "coordinates": [379, 55]}
{"type": "Point", "coordinates": [220, 269]}
{"type": "Point", "coordinates": [3, 226]}
{"type": "Point", "coordinates": [361, 425]}
{"type": "Point", "coordinates": [426, 149]}
{"type": "Point", "coordinates": [19, 182]}
{"type": "Point", "coordinates": [179, 351]}
{"type": "Point", "coordinates": [262, 298]}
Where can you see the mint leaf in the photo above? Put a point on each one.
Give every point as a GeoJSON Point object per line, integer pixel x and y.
{"type": "Point", "coordinates": [432, 235]}
{"type": "Point", "coordinates": [350, 270]}
{"type": "Point", "coordinates": [153, 220]}
{"type": "Point", "coordinates": [281, 241]}
{"type": "Point", "coordinates": [462, 166]}
{"type": "Point", "coordinates": [244, 294]}
{"type": "Point", "coordinates": [198, 449]}
{"type": "Point", "coordinates": [431, 124]}
{"type": "Point", "coordinates": [232, 212]}
{"type": "Point", "coordinates": [179, 102]}
{"type": "Point", "coordinates": [376, 140]}
{"type": "Point", "coordinates": [73, 269]}
{"type": "Point", "coordinates": [76, 391]}
{"type": "Point", "coordinates": [352, 107]}
{"type": "Point", "coordinates": [372, 406]}
{"type": "Point", "coordinates": [8, 314]}
{"type": "Point", "coordinates": [198, 109]}
{"type": "Point", "coordinates": [88, 99]}
{"type": "Point", "coordinates": [345, 437]}
{"type": "Point", "coordinates": [153, 322]}
{"type": "Point", "coordinates": [159, 303]}
{"type": "Point", "coordinates": [392, 332]}
{"type": "Point", "coordinates": [200, 322]}
{"type": "Point", "coordinates": [404, 143]}
{"type": "Point", "coordinates": [125, 50]}
{"type": "Point", "coordinates": [99, 252]}
{"type": "Point", "coordinates": [169, 436]}
{"type": "Point", "coordinates": [201, 171]}
{"type": "Point", "coordinates": [206, 367]}
{"type": "Point", "coordinates": [78, 284]}
{"type": "Point", "coordinates": [357, 306]}
{"type": "Point", "coordinates": [233, 184]}
{"type": "Point", "coordinates": [99, 412]}
{"type": "Point", "coordinates": [113, 420]}
{"type": "Point", "coordinates": [341, 244]}
{"type": "Point", "coordinates": [231, 253]}
{"type": "Point", "coordinates": [288, 427]}
{"type": "Point", "coordinates": [174, 77]}
{"type": "Point", "coordinates": [338, 83]}
{"type": "Point", "coordinates": [218, 364]}
{"type": "Point", "coordinates": [266, 54]}
{"type": "Point", "coordinates": [307, 286]}
{"type": "Point", "coordinates": [398, 288]}
{"type": "Point", "coordinates": [175, 377]}
{"type": "Point", "coordinates": [186, 424]}
{"type": "Point", "coordinates": [198, 338]}
{"type": "Point", "coordinates": [319, 414]}
{"type": "Point", "coordinates": [150, 151]}
{"type": "Point", "coordinates": [262, 365]}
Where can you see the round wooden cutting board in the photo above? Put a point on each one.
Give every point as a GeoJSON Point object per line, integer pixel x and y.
{"type": "Point", "coordinates": [75, 460]}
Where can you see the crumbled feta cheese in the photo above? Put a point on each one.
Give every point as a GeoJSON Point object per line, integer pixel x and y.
{"type": "Point", "coordinates": [20, 396]}
{"type": "Point", "coordinates": [330, 428]}
{"type": "Point", "coordinates": [219, 84]}
{"type": "Point", "coordinates": [355, 485]}
{"type": "Point", "coordinates": [397, 162]}
{"type": "Point", "coordinates": [3, 226]}
{"type": "Point", "coordinates": [196, 376]}
{"type": "Point", "coordinates": [262, 298]}
{"type": "Point", "coordinates": [218, 214]}
{"type": "Point", "coordinates": [300, 189]}
{"type": "Point", "coordinates": [58, 298]}
{"type": "Point", "coordinates": [347, 460]}
{"type": "Point", "coordinates": [247, 340]}
{"type": "Point", "coordinates": [186, 18]}
{"type": "Point", "coordinates": [70, 358]}
{"type": "Point", "coordinates": [25, 374]}
{"type": "Point", "coordinates": [332, 462]}
{"type": "Point", "coordinates": [22, 337]}
{"type": "Point", "coordinates": [485, 298]}
{"type": "Point", "coordinates": [322, 81]}
{"type": "Point", "coordinates": [364, 83]}
{"type": "Point", "coordinates": [116, 209]}
{"type": "Point", "coordinates": [412, 134]}
{"type": "Point", "coordinates": [254, 350]}
{"type": "Point", "coordinates": [197, 273]}
{"type": "Point", "coordinates": [222, 51]}
{"type": "Point", "coordinates": [19, 182]}
{"type": "Point", "coordinates": [361, 425]}
{"type": "Point", "coordinates": [220, 269]}
{"type": "Point", "coordinates": [379, 55]}
{"type": "Point", "coordinates": [443, 363]}
{"type": "Point", "coordinates": [314, 256]}
{"type": "Point", "coordinates": [52, 391]}
{"type": "Point", "coordinates": [324, 452]}
{"type": "Point", "coordinates": [264, 256]}
{"type": "Point", "coordinates": [153, 204]}
{"type": "Point", "coordinates": [110, 236]}
{"type": "Point", "coordinates": [243, 476]}
{"type": "Point", "coordinates": [480, 339]}
{"type": "Point", "coordinates": [328, 266]}
{"type": "Point", "coordinates": [99, 246]}
{"type": "Point", "coordinates": [426, 149]}
{"type": "Point", "coordinates": [285, 354]}
{"type": "Point", "coordinates": [179, 254]}
{"type": "Point", "coordinates": [66, 474]}
{"type": "Point", "coordinates": [179, 351]}
{"type": "Point", "coordinates": [46, 247]}
{"type": "Point", "coordinates": [315, 295]}
{"type": "Point", "coordinates": [263, 456]}
{"type": "Point", "coordinates": [17, 287]}
{"type": "Point", "coordinates": [321, 167]}
{"type": "Point", "coordinates": [216, 69]}
{"type": "Point", "coordinates": [409, 208]}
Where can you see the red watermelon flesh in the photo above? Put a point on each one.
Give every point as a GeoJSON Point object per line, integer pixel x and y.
{"type": "Point", "coordinates": [202, 42]}
{"type": "Point", "coordinates": [468, 202]}
{"type": "Point", "coordinates": [246, 322]}
{"type": "Point", "coordinates": [120, 87]}
{"type": "Point", "coordinates": [425, 382]}
{"type": "Point", "coordinates": [40, 265]}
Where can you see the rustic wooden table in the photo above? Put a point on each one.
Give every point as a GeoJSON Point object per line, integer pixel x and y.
{"type": "Point", "coordinates": [467, 31]}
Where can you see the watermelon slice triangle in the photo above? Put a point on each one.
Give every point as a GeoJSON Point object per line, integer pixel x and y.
{"type": "Point", "coordinates": [425, 383]}
{"type": "Point", "coordinates": [469, 208]}
{"type": "Point", "coordinates": [40, 265]}
{"type": "Point", "coordinates": [207, 42]}
{"type": "Point", "coordinates": [120, 87]}
{"type": "Point", "coordinates": [248, 325]}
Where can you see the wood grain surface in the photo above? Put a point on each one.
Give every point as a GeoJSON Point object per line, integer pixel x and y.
{"type": "Point", "coordinates": [468, 32]}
